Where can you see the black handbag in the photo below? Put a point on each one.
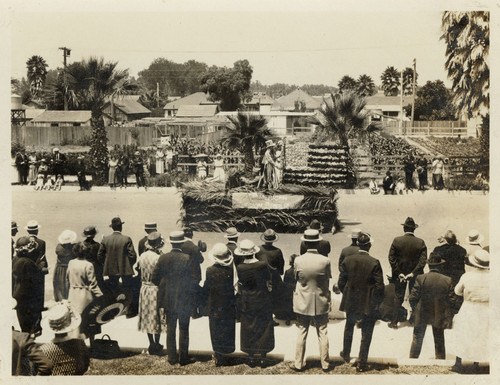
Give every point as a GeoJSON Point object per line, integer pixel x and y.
{"type": "Point", "coordinates": [105, 348]}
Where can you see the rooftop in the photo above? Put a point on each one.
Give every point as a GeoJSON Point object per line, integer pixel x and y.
{"type": "Point", "coordinates": [288, 101]}
{"type": "Point", "coordinates": [197, 111]}
{"type": "Point", "coordinates": [52, 116]}
{"type": "Point", "coordinates": [190, 100]}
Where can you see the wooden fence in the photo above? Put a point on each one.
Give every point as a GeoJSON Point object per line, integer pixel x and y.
{"type": "Point", "coordinates": [427, 128]}
{"type": "Point", "coordinates": [71, 135]}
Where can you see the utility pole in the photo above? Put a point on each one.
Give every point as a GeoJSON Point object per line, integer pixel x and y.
{"type": "Point", "coordinates": [157, 95]}
{"type": "Point", "coordinates": [66, 53]}
{"type": "Point", "coordinates": [413, 91]}
{"type": "Point", "coordinates": [401, 102]}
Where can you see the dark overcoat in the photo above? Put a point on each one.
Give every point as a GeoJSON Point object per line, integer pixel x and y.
{"type": "Point", "coordinates": [408, 254]}
{"type": "Point", "coordinates": [117, 254]}
{"type": "Point", "coordinates": [323, 247]}
{"type": "Point", "coordinates": [219, 292]}
{"type": "Point", "coordinates": [454, 256]}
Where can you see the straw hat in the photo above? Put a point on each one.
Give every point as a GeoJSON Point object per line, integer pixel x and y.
{"type": "Point", "coordinates": [474, 237]}
{"type": "Point", "coordinates": [150, 226]}
{"type": "Point", "coordinates": [480, 259]}
{"type": "Point", "coordinates": [177, 237]}
{"type": "Point", "coordinates": [61, 319]}
{"type": "Point", "coordinates": [13, 225]}
{"type": "Point", "coordinates": [355, 233]}
{"type": "Point", "coordinates": [220, 253]}
{"type": "Point", "coordinates": [32, 226]}
{"type": "Point", "coordinates": [67, 236]}
{"type": "Point", "coordinates": [269, 236]}
{"type": "Point", "coordinates": [231, 232]}
{"type": "Point", "coordinates": [311, 235]}
{"type": "Point", "coordinates": [246, 248]}
{"type": "Point", "coordinates": [270, 143]}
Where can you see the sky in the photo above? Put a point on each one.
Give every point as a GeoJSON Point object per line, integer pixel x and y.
{"type": "Point", "coordinates": [306, 47]}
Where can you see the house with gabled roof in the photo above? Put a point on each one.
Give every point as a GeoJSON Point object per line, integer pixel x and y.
{"type": "Point", "coordinates": [262, 103]}
{"type": "Point", "coordinates": [384, 108]}
{"type": "Point", "coordinates": [195, 99]}
{"type": "Point", "coordinates": [53, 118]}
{"type": "Point", "coordinates": [126, 109]}
{"type": "Point", "coordinates": [299, 100]}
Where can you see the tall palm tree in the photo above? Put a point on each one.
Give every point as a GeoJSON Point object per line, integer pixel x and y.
{"type": "Point", "coordinates": [408, 81]}
{"type": "Point", "coordinates": [390, 81]}
{"type": "Point", "coordinates": [346, 83]}
{"type": "Point", "coordinates": [37, 72]}
{"type": "Point", "coordinates": [365, 86]}
{"type": "Point", "coordinates": [93, 81]}
{"type": "Point", "coordinates": [467, 38]}
{"type": "Point", "coordinates": [247, 133]}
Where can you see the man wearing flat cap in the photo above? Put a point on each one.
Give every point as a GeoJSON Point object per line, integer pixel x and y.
{"type": "Point", "coordinates": [362, 286]}
{"type": "Point", "coordinates": [118, 256]}
{"type": "Point", "coordinates": [407, 257]}
{"type": "Point", "coordinates": [177, 288]}
{"type": "Point", "coordinates": [431, 300]}
{"type": "Point", "coordinates": [323, 246]}
{"type": "Point", "coordinates": [311, 299]}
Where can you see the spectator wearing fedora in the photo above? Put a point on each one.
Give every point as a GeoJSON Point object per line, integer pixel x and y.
{"type": "Point", "coordinates": [257, 329]}
{"type": "Point", "coordinates": [27, 284]}
{"type": "Point", "coordinates": [177, 284]}
{"type": "Point", "coordinates": [117, 255]}
{"type": "Point", "coordinates": [149, 227]}
{"type": "Point", "coordinates": [273, 256]}
{"type": "Point", "coordinates": [32, 228]}
{"type": "Point", "coordinates": [149, 320]}
{"type": "Point", "coordinates": [473, 243]}
{"type": "Point", "coordinates": [470, 334]}
{"type": "Point", "coordinates": [323, 245]}
{"type": "Point", "coordinates": [68, 353]}
{"type": "Point", "coordinates": [407, 257]}
{"type": "Point", "coordinates": [89, 234]}
{"type": "Point", "coordinates": [351, 249]}
{"type": "Point", "coordinates": [430, 300]}
{"type": "Point", "coordinates": [196, 259]}
{"type": "Point", "coordinates": [13, 232]}
{"type": "Point", "coordinates": [453, 255]}
{"type": "Point", "coordinates": [138, 169]}
{"type": "Point", "coordinates": [388, 183]}
{"type": "Point", "coordinates": [311, 300]}
{"type": "Point", "coordinates": [362, 286]}
{"type": "Point", "coordinates": [232, 242]}
{"type": "Point", "coordinates": [64, 252]}
{"type": "Point", "coordinates": [220, 289]}
{"type": "Point", "coordinates": [58, 163]}
{"type": "Point", "coordinates": [81, 174]}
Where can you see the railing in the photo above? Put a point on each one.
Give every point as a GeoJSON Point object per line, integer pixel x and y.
{"type": "Point", "coordinates": [427, 128]}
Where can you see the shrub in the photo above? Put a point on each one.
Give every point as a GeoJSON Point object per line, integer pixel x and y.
{"type": "Point", "coordinates": [467, 182]}
{"type": "Point", "coordinates": [15, 147]}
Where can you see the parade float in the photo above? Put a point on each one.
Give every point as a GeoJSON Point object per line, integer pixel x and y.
{"type": "Point", "coordinates": [312, 174]}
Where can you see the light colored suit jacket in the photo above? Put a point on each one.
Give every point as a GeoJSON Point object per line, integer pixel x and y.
{"type": "Point", "coordinates": [312, 294]}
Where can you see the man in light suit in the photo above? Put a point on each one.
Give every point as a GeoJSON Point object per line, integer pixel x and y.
{"type": "Point", "coordinates": [118, 256]}
{"type": "Point", "coordinates": [311, 300]}
{"type": "Point", "coordinates": [362, 285]}
{"type": "Point", "coordinates": [407, 257]}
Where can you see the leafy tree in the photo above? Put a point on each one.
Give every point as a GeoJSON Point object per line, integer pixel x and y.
{"type": "Point", "coordinates": [407, 81]}
{"type": "Point", "coordinates": [346, 83]}
{"type": "Point", "coordinates": [92, 82]}
{"type": "Point", "coordinates": [365, 86]}
{"type": "Point", "coordinates": [467, 38]}
{"type": "Point", "coordinates": [229, 86]}
{"type": "Point", "coordinates": [247, 133]}
{"type": "Point", "coordinates": [21, 88]}
{"type": "Point", "coordinates": [390, 81]}
{"type": "Point", "coordinates": [433, 102]}
{"type": "Point", "coordinates": [37, 72]}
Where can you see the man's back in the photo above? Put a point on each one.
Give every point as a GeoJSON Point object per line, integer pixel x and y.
{"type": "Point", "coordinates": [323, 248]}
{"type": "Point", "coordinates": [346, 251]}
{"type": "Point", "coordinates": [408, 254]}
{"type": "Point", "coordinates": [454, 257]}
{"type": "Point", "coordinates": [118, 254]}
{"type": "Point", "coordinates": [312, 293]}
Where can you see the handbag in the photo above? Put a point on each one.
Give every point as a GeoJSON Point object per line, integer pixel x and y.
{"type": "Point", "coordinates": [105, 348]}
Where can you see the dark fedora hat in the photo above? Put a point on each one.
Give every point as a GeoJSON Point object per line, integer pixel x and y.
{"type": "Point", "coordinates": [364, 239]}
{"type": "Point", "coordinates": [316, 225]}
{"type": "Point", "coordinates": [409, 222]}
{"type": "Point", "coordinates": [116, 221]}
{"type": "Point", "coordinates": [435, 259]}
{"type": "Point", "coordinates": [269, 236]}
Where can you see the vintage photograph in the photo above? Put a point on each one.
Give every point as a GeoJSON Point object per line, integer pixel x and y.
{"type": "Point", "coordinates": [193, 191]}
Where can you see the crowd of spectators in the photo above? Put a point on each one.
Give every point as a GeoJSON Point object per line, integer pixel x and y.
{"type": "Point", "coordinates": [382, 146]}
{"type": "Point", "coordinates": [451, 147]}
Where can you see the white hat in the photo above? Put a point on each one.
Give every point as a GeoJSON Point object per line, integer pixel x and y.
{"type": "Point", "coordinates": [220, 252]}
{"type": "Point", "coordinates": [311, 235]}
{"type": "Point", "coordinates": [355, 233]}
{"type": "Point", "coordinates": [32, 225]}
{"type": "Point", "coordinates": [270, 143]}
{"type": "Point", "coordinates": [62, 319]}
{"type": "Point", "coordinates": [480, 259]}
{"type": "Point", "coordinates": [245, 248]}
{"type": "Point", "coordinates": [474, 237]}
{"type": "Point", "coordinates": [67, 236]}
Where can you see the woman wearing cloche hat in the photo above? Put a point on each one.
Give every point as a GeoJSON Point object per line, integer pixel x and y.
{"type": "Point", "coordinates": [64, 252]}
{"type": "Point", "coordinates": [470, 336]}
{"type": "Point", "coordinates": [257, 329]}
{"type": "Point", "coordinates": [220, 293]}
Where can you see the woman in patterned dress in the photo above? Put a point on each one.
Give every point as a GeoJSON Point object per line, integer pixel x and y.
{"type": "Point", "coordinates": [149, 320]}
{"type": "Point", "coordinates": [64, 252]}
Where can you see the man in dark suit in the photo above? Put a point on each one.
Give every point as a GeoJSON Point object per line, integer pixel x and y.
{"type": "Point", "coordinates": [22, 165]}
{"type": "Point", "coordinates": [177, 284]}
{"type": "Point", "coordinates": [407, 257]}
{"type": "Point", "coordinates": [431, 300]}
{"type": "Point", "coordinates": [89, 234]}
{"type": "Point", "coordinates": [149, 227]}
{"type": "Point", "coordinates": [196, 259]}
{"type": "Point", "coordinates": [323, 246]}
{"type": "Point", "coordinates": [453, 256]}
{"type": "Point", "coordinates": [351, 249]}
{"type": "Point", "coordinates": [117, 254]}
{"type": "Point", "coordinates": [123, 166]}
{"type": "Point", "coordinates": [40, 258]}
{"type": "Point", "coordinates": [138, 168]}
{"type": "Point", "coordinates": [232, 239]}
{"type": "Point", "coordinates": [58, 163]}
{"type": "Point", "coordinates": [362, 285]}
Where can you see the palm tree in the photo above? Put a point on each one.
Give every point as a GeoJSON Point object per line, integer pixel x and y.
{"type": "Point", "coordinates": [37, 72]}
{"type": "Point", "coordinates": [346, 83]}
{"type": "Point", "coordinates": [408, 81]}
{"type": "Point", "coordinates": [342, 118]}
{"type": "Point", "coordinates": [93, 81]}
{"type": "Point", "coordinates": [247, 133]}
{"type": "Point", "coordinates": [390, 81]}
{"type": "Point", "coordinates": [467, 38]}
{"type": "Point", "coordinates": [365, 86]}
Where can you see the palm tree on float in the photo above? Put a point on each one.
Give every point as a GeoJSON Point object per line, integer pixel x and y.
{"type": "Point", "coordinates": [390, 81]}
{"type": "Point", "coordinates": [93, 82]}
{"type": "Point", "coordinates": [365, 86]}
{"type": "Point", "coordinates": [37, 72]}
{"type": "Point", "coordinates": [467, 38]}
{"type": "Point", "coordinates": [247, 133]}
